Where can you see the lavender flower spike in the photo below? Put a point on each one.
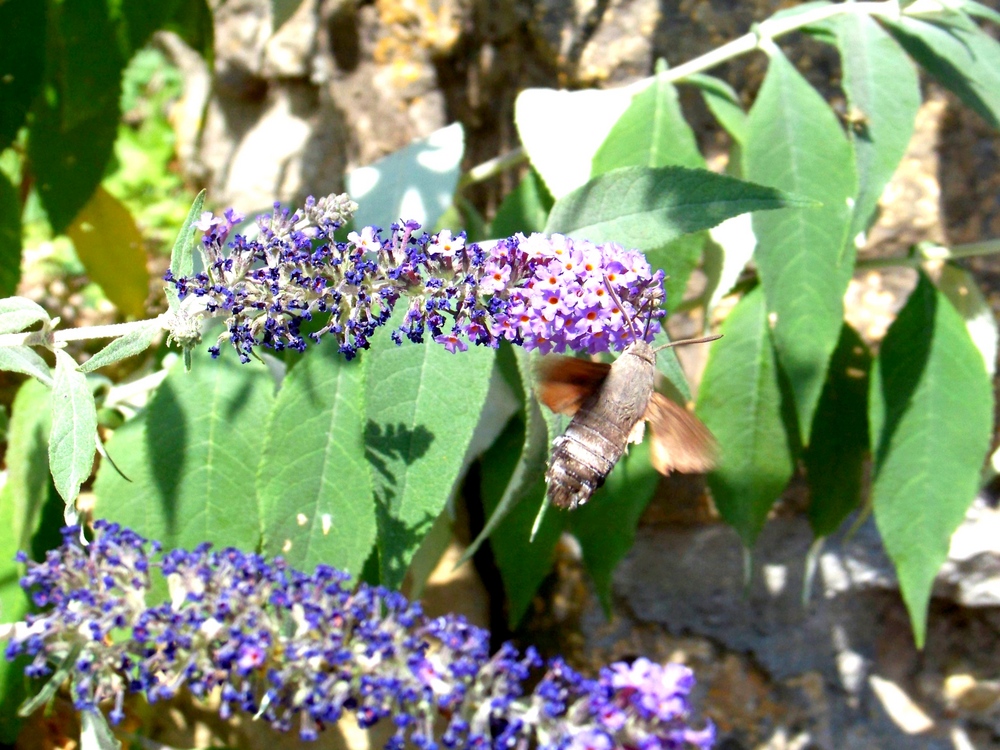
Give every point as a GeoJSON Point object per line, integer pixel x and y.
{"type": "Point", "coordinates": [301, 651]}
{"type": "Point", "coordinates": [546, 293]}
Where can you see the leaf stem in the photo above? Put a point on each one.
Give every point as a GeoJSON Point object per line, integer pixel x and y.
{"type": "Point", "coordinates": [36, 338]}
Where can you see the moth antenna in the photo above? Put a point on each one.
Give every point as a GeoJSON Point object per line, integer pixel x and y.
{"type": "Point", "coordinates": [684, 342]}
{"type": "Point", "coordinates": [617, 300]}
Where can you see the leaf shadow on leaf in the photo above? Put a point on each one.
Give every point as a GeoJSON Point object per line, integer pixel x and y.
{"type": "Point", "coordinates": [166, 413]}
{"type": "Point", "coordinates": [385, 443]}
{"type": "Point", "coordinates": [910, 349]}
{"type": "Point", "coordinates": [397, 540]}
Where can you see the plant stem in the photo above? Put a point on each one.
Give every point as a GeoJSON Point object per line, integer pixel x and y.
{"type": "Point", "coordinates": [36, 338]}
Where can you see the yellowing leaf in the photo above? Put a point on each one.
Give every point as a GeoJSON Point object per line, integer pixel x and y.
{"type": "Point", "coordinates": [109, 245]}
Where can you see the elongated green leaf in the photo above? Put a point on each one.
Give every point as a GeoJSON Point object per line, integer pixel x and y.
{"type": "Point", "coordinates": [523, 563]}
{"type": "Point", "coordinates": [839, 443]}
{"type": "Point", "coordinates": [191, 457]}
{"type": "Point", "coordinates": [669, 366]}
{"type": "Point", "coordinates": [644, 208]}
{"type": "Point", "coordinates": [18, 313]}
{"type": "Point", "coordinates": [605, 527]}
{"type": "Point", "coordinates": [62, 672]}
{"type": "Point", "coordinates": [10, 229]}
{"type": "Point", "coordinates": [961, 289]}
{"type": "Point", "coordinates": [25, 360]}
{"type": "Point", "coordinates": [27, 487]}
{"type": "Point", "coordinates": [95, 734]}
{"type": "Point", "coordinates": [182, 257]}
{"type": "Point", "coordinates": [109, 244]}
{"type": "Point", "coordinates": [14, 605]}
{"type": "Point", "coordinates": [314, 484]}
{"type": "Point", "coordinates": [22, 62]}
{"type": "Point", "coordinates": [804, 258]}
{"type": "Point", "coordinates": [524, 209]}
{"type": "Point", "coordinates": [422, 406]}
{"type": "Point", "coordinates": [73, 439]}
{"type": "Point", "coordinates": [541, 116]}
{"type": "Point", "coordinates": [931, 415]}
{"type": "Point", "coordinates": [132, 343]}
{"type": "Point", "coordinates": [974, 8]}
{"type": "Point", "coordinates": [883, 92]}
{"type": "Point", "coordinates": [70, 161]}
{"type": "Point", "coordinates": [417, 182]}
{"type": "Point", "coordinates": [962, 58]}
{"type": "Point", "coordinates": [651, 133]}
{"type": "Point", "coordinates": [740, 402]}
{"type": "Point", "coordinates": [723, 102]}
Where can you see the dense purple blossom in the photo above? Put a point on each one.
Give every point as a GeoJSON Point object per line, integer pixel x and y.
{"type": "Point", "coordinates": [547, 293]}
{"type": "Point", "coordinates": [301, 651]}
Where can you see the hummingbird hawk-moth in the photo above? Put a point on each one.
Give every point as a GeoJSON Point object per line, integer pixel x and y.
{"type": "Point", "coordinates": [609, 405]}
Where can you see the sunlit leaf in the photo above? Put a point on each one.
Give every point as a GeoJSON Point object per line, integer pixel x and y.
{"type": "Point", "coordinates": [132, 343]}
{"type": "Point", "coordinates": [962, 290]}
{"type": "Point", "coordinates": [72, 440]}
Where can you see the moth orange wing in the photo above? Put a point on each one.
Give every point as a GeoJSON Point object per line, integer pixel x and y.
{"type": "Point", "coordinates": [564, 383]}
{"type": "Point", "coordinates": [680, 442]}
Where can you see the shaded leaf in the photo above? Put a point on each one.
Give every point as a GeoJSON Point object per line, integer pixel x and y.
{"type": "Point", "coordinates": [421, 409]}
{"type": "Point", "coordinates": [524, 209]}
{"type": "Point", "coordinates": [22, 62]}
{"type": "Point", "coordinates": [182, 254]}
{"type": "Point", "coordinates": [141, 18]}
{"type": "Point", "coordinates": [931, 416]}
{"type": "Point", "coordinates": [10, 228]}
{"type": "Point", "coordinates": [839, 443]}
{"type": "Point", "coordinates": [109, 245]}
{"type": "Point", "coordinates": [723, 102]}
{"type": "Point", "coordinates": [644, 208]}
{"type": "Point", "coordinates": [314, 482]}
{"type": "Point", "coordinates": [740, 402]}
{"type": "Point", "coordinates": [523, 563]}
{"type": "Point", "coordinates": [72, 440]}
{"type": "Point", "coordinates": [541, 116]}
{"type": "Point", "coordinates": [193, 22]}
{"type": "Point", "coordinates": [14, 605]}
{"type": "Point", "coordinates": [281, 11]}
{"type": "Point", "coordinates": [191, 457]}
{"type": "Point", "coordinates": [132, 343]}
{"type": "Point", "coordinates": [417, 182]}
{"type": "Point", "coordinates": [27, 457]}
{"type": "Point", "coordinates": [960, 56]}
{"type": "Point", "coordinates": [804, 258]}
{"type": "Point", "coordinates": [605, 526]}
{"type": "Point", "coordinates": [883, 92]}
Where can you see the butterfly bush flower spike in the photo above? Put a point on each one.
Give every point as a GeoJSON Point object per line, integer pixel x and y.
{"type": "Point", "coordinates": [294, 282]}
{"type": "Point", "coordinates": [300, 651]}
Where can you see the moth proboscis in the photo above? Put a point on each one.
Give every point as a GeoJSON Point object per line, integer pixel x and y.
{"type": "Point", "coordinates": [609, 405]}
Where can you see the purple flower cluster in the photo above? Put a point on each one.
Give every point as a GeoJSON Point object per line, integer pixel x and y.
{"type": "Point", "coordinates": [301, 651]}
{"type": "Point", "coordinates": [546, 293]}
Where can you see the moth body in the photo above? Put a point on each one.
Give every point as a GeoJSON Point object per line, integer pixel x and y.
{"type": "Point", "coordinates": [597, 436]}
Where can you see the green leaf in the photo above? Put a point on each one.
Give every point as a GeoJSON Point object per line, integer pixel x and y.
{"type": "Point", "coordinates": [73, 439]}
{"type": "Point", "coordinates": [109, 245]}
{"type": "Point", "coordinates": [804, 258]}
{"type": "Point", "coordinates": [10, 230]}
{"type": "Point", "coordinates": [141, 18]}
{"type": "Point", "coordinates": [962, 58]}
{"type": "Point", "coordinates": [70, 161]}
{"type": "Point", "coordinates": [644, 208]}
{"type": "Point", "coordinates": [883, 90]}
{"type": "Point", "coordinates": [839, 443]}
{"type": "Point", "coordinates": [181, 256]}
{"type": "Point", "coordinates": [132, 343]}
{"type": "Point", "coordinates": [523, 563]}
{"type": "Point", "coordinates": [417, 182]}
{"type": "Point", "coordinates": [961, 289]}
{"type": "Point", "coordinates": [982, 11]}
{"type": "Point", "coordinates": [669, 366]}
{"type": "Point", "coordinates": [740, 402]}
{"type": "Point", "coordinates": [723, 102]}
{"type": "Point", "coordinates": [542, 115]}
{"type": "Point", "coordinates": [524, 209]}
{"type": "Point", "coordinates": [25, 360]}
{"type": "Point", "coordinates": [27, 487]}
{"type": "Point", "coordinates": [422, 406]}
{"type": "Point", "coordinates": [931, 416]}
{"type": "Point", "coordinates": [95, 734]}
{"type": "Point", "coordinates": [192, 457]}
{"type": "Point", "coordinates": [22, 62]}
{"type": "Point", "coordinates": [533, 453]}
{"type": "Point", "coordinates": [314, 484]}
{"type": "Point", "coordinates": [281, 11]}
{"type": "Point", "coordinates": [193, 22]}
{"type": "Point", "coordinates": [14, 605]}
{"type": "Point", "coordinates": [62, 672]}
{"type": "Point", "coordinates": [605, 527]}
{"type": "Point", "coordinates": [651, 133]}
{"type": "Point", "coordinates": [18, 313]}
{"type": "Point", "coordinates": [678, 259]}
{"type": "Point", "coordinates": [87, 61]}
